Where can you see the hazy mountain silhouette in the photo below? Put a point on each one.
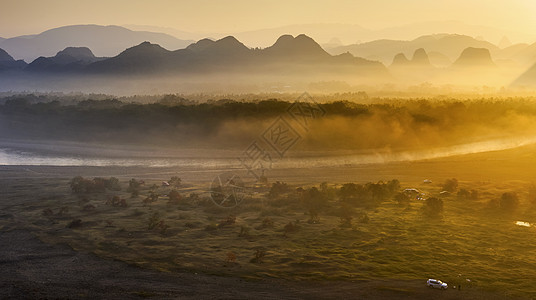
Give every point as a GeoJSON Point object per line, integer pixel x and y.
{"type": "Point", "coordinates": [528, 78]}
{"type": "Point", "coordinates": [400, 60]}
{"type": "Point", "coordinates": [69, 59]}
{"type": "Point", "coordinates": [301, 47]}
{"type": "Point", "coordinates": [474, 57]}
{"type": "Point", "coordinates": [145, 57]}
{"type": "Point", "coordinates": [350, 34]}
{"type": "Point", "coordinates": [287, 54]}
{"type": "Point", "coordinates": [5, 57]}
{"type": "Point", "coordinates": [103, 40]}
{"type": "Point", "coordinates": [450, 45]}
{"type": "Point", "coordinates": [523, 53]}
{"type": "Point", "coordinates": [7, 62]}
{"type": "Point", "coordinates": [420, 59]}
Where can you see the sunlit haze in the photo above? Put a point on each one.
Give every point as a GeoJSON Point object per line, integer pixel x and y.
{"type": "Point", "coordinates": [219, 17]}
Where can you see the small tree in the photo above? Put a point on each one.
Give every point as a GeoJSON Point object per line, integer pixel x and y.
{"type": "Point", "coordinates": [402, 199]}
{"type": "Point", "coordinates": [134, 187]}
{"type": "Point", "coordinates": [314, 201]}
{"type": "Point", "coordinates": [351, 192]}
{"type": "Point", "coordinates": [509, 201]}
{"type": "Point", "coordinates": [175, 181]}
{"type": "Point", "coordinates": [346, 215]}
{"type": "Point", "coordinates": [463, 194]}
{"type": "Point", "coordinates": [278, 188]}
{"type": "Point", "coordinates": [450, 185]}
{"type": "Point", "coordinates": [113, 184]}
{"type": "Point", "coordinates": [174, 197]}
{"type": "Point", "coordinates": [433, 206]}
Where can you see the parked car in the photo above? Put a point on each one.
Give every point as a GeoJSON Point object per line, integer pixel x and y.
{"type": "Point", "coordinates": [435, 283]}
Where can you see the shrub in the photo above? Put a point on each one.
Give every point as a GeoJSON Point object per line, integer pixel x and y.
{"type": "Point", "coordinates": [175, 181]}
{"type": "Point", "coordinates": [314, 201]}
{"type": "Point", "coordinates": [433, 206]}
{"type": "Point", "coordinates": [194, 197]}
{"type": "Point", "coordinates": [351, 192]}
{"type": "Point", "coordinates": [402, 199]}
{"type": "Point", "coordinates": [244, 231]}
{"type": "Point", "coordinates": [112, 184]}
{"type": "Point", "coordinates": [134, 186]}
{"type": "Point", "coordinates": [116, 201]}
{"type": "Point", "coordinates": [227, 222]}
{"type": "Point", "coordinates": [155, 223]}
{"type": "Point", "coordinates": [231, 257]}
{"type": "Point", "coordinates": [153, 197]}
{"type": "Point", "coordinates": [259, 256]}
{"type": "Point", "coordinates": [48, 212]}
{"type": "Point", "coordinates": [80, 185]}
{"type": "Point", "coordinates": [450, 185]}
{"type": "Point", "coordinates": [88, 207]}
{"type": "Point", "coordinates": [509, 201]}
{"type": "Point", "coordinates": [75, 224]}
{"type": "Point", "coordinates": [174, 197]}
{"type": "Point", "coordinates": [363, 218]}
{"type": "Point", "coordinates": [267, 222]}
{"type": "Point", "coordinates": [290, 227]}
{"type": "Point", "coordinates": [278, 188]}
{"type": "Point", "coordinates": [463, 194]}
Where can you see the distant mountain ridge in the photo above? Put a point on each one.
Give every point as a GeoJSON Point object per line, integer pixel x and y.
{"type": "Point", "coordinates": [69, 59]}
{"type": "Point", "coordinates": [288, 53]}
{"type": "Point", "coordinates": [474, 57]}
{"type": "Point", "coordinates": [450, 45]}
{"type": "Point", "coordinates": [103, 40]}
{"type": "Point", "coordinates": [7, 62]}
{"type": "Point", "coordinates": [420, 59]}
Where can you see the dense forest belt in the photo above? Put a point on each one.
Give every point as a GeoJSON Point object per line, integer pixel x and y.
{"type": "Point", "coordinates": [395, 124]}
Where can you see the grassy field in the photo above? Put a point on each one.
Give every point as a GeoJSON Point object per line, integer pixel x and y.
{"type": "Point", "coordinates": [468, 244]}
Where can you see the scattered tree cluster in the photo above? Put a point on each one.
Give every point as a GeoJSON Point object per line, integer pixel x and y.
{"type": "Point", "coordinates": [80, 185]}
{"type": "Point", "coordinates": [370, 193]}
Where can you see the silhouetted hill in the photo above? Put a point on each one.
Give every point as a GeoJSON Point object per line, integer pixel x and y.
{"type": "Point", "coordinates": [300, 47]}
{"type": "Point", "coordinates": [527, 79]}
{"type": "Point", "coordinates": [347, 34]}
{"type": "Point", "coordinates": [74, 54]}
{"type": "Point", "coordinates": [525, 54]}
{"type": "Point", "coordinates": [103, 40]}
{"type": "Point", "coordinates": [474, 57]}
{"type": "Point", "coordinates": [5, 57]}
{"type": "Point", "coordinates": [400, 60]}
{"type": "Point", "coordinates": [420, 59]}
{"type": "Point", "coordinates": [7, 62]}
{"type": "Point", "coordinates": [229, 54]}
{"type": "Point", "coordinates": [69, 59]}
{"type": "Point", "coordinates": [145, 57]}
{"type": "Point", "coordinates": [225, 50]}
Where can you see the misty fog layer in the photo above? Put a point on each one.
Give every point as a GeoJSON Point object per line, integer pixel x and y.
{"type": "Point", "coordinates": [393, 126]}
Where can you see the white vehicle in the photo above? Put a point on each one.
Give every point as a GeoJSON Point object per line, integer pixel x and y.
{"type": "Point", "coordinates": [435, 283]}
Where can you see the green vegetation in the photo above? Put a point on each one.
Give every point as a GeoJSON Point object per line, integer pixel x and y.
{"type": "Point", "coordinates": [349, 231]}
{"type": "Point", "coordinates": [379, 123]}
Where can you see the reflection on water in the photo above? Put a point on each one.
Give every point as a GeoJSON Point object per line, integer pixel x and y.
{"type": "Point", "coordinates": [214, 159]}
{"type": "Point", "coordinates": [10, 157]}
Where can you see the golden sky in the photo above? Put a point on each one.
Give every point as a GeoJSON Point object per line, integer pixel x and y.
{"type": "Point", "coordinates": [18, 17]}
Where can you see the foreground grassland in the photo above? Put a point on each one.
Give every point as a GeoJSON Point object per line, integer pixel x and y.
{"type": "Point", "coordinates": [472, 243]}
